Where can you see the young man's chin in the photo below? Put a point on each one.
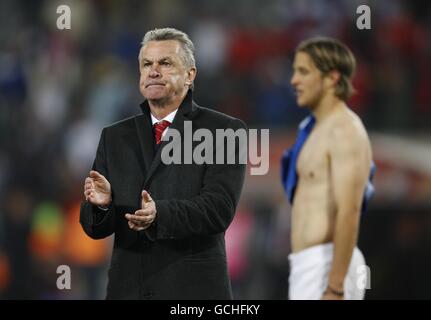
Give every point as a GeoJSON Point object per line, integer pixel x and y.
{"type": "Point", "coordinates": [300, 103]}
{"type": "Point", "coordinates": [304, 103]}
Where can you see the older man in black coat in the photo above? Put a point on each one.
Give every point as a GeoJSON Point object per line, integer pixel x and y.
{"type": "Point", "coordinates": [169, 220]}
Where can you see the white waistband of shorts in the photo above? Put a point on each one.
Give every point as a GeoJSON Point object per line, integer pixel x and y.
{"type": "Point", "coordinates": [319, 252]}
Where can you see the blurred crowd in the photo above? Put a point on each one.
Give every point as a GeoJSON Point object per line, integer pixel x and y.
{"type": "Point", "coordinates": [58, 88]}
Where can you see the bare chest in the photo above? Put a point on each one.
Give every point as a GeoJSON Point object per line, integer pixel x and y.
{"type": "Point", "coordinates": [313, 160]}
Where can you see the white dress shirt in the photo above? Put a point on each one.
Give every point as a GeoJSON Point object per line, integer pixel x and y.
{"type": "Point", "coordinates": [170, 117]}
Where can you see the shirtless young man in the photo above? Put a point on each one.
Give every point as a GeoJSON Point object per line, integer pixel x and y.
{"type": "Point", "coordinates": [332, 171]}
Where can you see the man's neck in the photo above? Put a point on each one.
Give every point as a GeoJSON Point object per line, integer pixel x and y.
{"type": "Point", "coordinates": [159, 112]}
{"type": "Point", "coordinates": [327, 106]}
{"type": "Point", "coordinates": [160, 109]}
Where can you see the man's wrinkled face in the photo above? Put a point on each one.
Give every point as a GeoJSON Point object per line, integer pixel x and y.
{"type": "Point", "coordinates": [307, 81]}
{"type": "Point", "coordinates": [164, 77]}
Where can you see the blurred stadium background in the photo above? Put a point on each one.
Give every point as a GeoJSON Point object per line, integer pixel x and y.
{"type": "Point", "coordinates": [59, 88]}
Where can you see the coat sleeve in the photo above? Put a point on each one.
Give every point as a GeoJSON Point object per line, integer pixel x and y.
{"type": "Point", "coordinates": [210, 212]}
{"type": "Point", "coordinates": [98, 223]}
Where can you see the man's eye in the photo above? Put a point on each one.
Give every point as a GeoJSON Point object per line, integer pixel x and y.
{"type": "Point", "coordinates": [166, 63]}
{"type": "Point", "coordinates": [147, 64]}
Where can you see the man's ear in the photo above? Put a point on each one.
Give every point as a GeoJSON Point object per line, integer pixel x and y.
{"type": "Point", "coordinates": [191, 75]}
{"type": "Point", "coordinates": [333, 77]}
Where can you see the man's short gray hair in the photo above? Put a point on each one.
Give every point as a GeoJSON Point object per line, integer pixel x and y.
{"type": "Point", "coordinates": [187, 45]}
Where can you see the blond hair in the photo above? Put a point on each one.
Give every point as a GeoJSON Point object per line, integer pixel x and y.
{"type": "Point", "coordinates": [329, 54]}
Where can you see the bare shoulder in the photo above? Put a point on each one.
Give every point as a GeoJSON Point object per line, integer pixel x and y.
{"type": "Point", "coordinates": [348, 130]}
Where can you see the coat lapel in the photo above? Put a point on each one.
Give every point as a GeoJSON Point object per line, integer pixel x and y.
{"type": "Point", "coordinates": [145, 134]}
{"type": "Point", "coordinates": [186, 111]}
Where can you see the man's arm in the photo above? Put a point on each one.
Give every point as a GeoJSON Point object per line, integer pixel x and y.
{"type": "Point", "coordinates": [98, 222]}
{"type": "Point", "coordinates": [350, 165]}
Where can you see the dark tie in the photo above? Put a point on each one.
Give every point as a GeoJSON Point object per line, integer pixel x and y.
{"type": "Point", "coordinates": [159, 127]}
